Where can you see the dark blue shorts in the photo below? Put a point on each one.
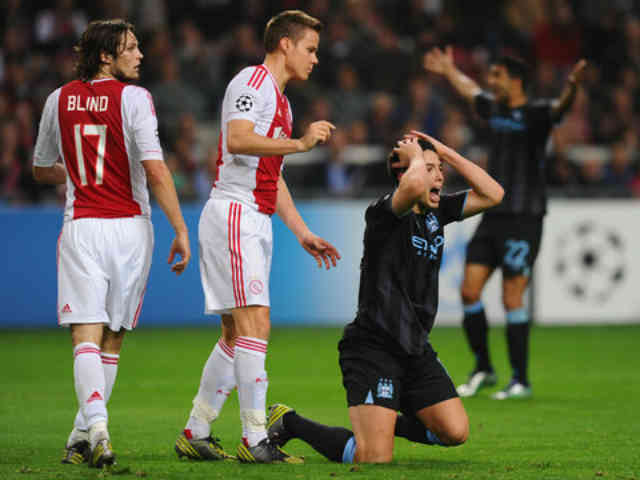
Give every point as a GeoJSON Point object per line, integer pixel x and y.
{"type": "Point", "coordinates": [406, 383]}
{"type": "Point", "coordinates": [509, 242]}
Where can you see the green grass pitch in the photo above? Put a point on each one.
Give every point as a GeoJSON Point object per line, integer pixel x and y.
{"type": "Point", "coordinates": [583, 421]}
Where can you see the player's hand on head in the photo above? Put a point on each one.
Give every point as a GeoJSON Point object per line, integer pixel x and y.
{"type": "Point", "coordinates": [440, 147]}
{"type": "Point", "coordinates": [180, 247]}
{"type": "Point", "coordinates": [405, 150]}
{"type": "Point", "coordinates": [577, 72]}
{"type": "Point", "coordinates": [438, 61]}
{"type": "Point", "coordinates": [317, 132]}
{"type": "Point", "coordinates": [321, 250]}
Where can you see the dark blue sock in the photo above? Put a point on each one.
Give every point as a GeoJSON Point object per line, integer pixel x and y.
{"type": "Point", "coordinates": [328, 441]}
{"type": "Point", "coordinates": [518, 327]}
{"type": "Point", "coordinates": [476, 329]}
{"type": "Point", "coordinates": [413, 430]}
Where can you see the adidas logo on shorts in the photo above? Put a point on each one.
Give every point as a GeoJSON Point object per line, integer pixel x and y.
{"type": "Point", "coordinates": [66, 309]}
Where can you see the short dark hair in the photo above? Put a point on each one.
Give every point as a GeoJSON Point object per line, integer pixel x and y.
{"type": "Point", "coordinates": [101, 36]}
{"type": "Point", "coordinates": [290, 23]}
{"type": "Point", "coordinates": [516, 67]}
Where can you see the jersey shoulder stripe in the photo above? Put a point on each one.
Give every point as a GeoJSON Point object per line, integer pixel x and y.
{"type": "Point", "coordinates": [257, 77]}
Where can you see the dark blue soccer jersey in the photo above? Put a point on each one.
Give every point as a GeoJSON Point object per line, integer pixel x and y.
{"type": "Point", "coordinates": [399, 270]}
{"type": "Point", "coordinates": [517, 159]}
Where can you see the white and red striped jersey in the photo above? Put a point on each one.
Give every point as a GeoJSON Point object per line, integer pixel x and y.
{"type": "Point", "coordinates": [103, 130]}
{"type": "Point", "coordinates": [252, 95]}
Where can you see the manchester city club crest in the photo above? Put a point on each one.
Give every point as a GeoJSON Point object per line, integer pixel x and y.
{"type": "Point", "coordinates": [431, 222]}
{"type": "Point", "coordinates": [385, 388]}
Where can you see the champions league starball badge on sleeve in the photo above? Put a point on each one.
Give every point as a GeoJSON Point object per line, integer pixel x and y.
{"type": "Point", "coordinates": [244, 103]}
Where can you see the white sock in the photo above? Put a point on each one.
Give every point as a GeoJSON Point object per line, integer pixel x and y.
{"type": "Point", "coordinates": [98, 431]}
{"type": "Point", "coordinates": [90, 383]}
{"type": "Point", "coordinates": [252, 381]}
{"type": "Point", "coordinates": [217, 382]}
{"type": "Point", "coordinates": [80, 431]}
{"type": "Point", "coordinates": [110, 367]}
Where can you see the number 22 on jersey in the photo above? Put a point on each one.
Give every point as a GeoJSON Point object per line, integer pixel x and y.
{"type": "Point", "coordinates": [83, 130]}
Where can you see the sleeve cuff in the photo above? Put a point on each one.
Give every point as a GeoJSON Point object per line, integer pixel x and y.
{"type": "Point", "coordinates": [464, 204]}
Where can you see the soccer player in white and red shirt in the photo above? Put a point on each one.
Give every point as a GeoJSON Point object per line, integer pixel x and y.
{"type": "Point", "coordinates": [104, 130]}
{"type": "Point", "coordinates": [235, 234]}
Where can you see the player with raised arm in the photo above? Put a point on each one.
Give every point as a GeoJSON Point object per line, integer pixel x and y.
{"type": "Point", "coordinates": [105, 132]}
{"type": "Point", "coordinates": [508, 237]}
{"type": "Point", "coordinates": [235, 235]}
{"type": "Point", "coordinates": [387, 362]}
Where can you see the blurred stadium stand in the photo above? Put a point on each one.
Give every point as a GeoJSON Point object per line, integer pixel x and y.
{"type": "Point", "coordinates": [369, 82]}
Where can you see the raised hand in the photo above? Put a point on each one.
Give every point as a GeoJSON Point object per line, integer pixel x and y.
{"type": "Point", "coordinates": [439, 61]}
{"type": "Point", "coordinates": [577, 72]}
{"type": "Point", "coordinates": [405, 150]}
{"type": "Point", "coordinates": [440, 147]}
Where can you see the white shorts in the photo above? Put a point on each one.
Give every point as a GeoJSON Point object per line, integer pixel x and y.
{"type": "Point", "coordinates": [235, 256]}
{"type": "Point", "coordinates": [103, 266]}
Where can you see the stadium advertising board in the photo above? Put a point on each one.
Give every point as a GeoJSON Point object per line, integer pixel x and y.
{"type": "Point", "coordinates": [588, 270]}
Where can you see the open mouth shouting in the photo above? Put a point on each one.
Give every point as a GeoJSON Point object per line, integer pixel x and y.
{"type": "Point", "coordinates": [434, 195]}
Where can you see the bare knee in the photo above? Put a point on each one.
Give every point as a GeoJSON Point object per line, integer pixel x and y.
{"type": "Point", "coordinates": [455, 434]}
{"type": "Point", "coordinates": [475, 277]}
{"type": "Point", "coordinates": [86, 332]}
{"type": "Point", "coordinates": [229, 334]}
{"type": "Point", "coordinates": [112, 341]}
{"type": "Point", "coordinates": [513, 289]}
{"type": "Point", "coordinates": [470, 294]}
{"type": "Point", "coordinates": [252, 321]}
{"type": "Point", "coordinates": [367, 453]}
{"type": "Point", "coordinates": [512, 300]}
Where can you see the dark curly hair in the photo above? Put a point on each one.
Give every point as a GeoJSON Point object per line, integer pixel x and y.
{"type": "Point", "coordinates": [100, 36]}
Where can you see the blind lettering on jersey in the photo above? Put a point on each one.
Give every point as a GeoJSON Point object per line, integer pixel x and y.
{"type": "Point", "coordinates": [95, 155]}
{"type": "Point", "coordinates": [400, 268]}
{"type": "Point", "coordinates": [87, 104]}
{"type": "Point", "coordinates": [252, 95]}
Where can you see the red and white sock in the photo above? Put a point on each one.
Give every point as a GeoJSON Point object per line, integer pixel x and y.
{"type": "Point", "coordinates": [250, 354]}
{"type": "Point", "coordinates": [89, 379]}
{"type": "Point", "coordinates": [110, 367]}
{"type": "Point", "coordinates": [216, 383]}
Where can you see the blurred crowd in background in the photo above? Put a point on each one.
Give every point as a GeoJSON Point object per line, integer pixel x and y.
{"type": "Point", "coordinates": [370, 83]}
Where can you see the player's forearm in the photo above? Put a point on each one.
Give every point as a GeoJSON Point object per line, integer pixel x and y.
{"type": "Point", "coordinates": [55, 175]}
{"type": "Point", "coordinates": [412, 186]}
{"type": "Point", "coordinates": [287, 211]}
{"type": "Point", "coordinates": [480, 181]}
{"type": "Point", "coordinates": [164, 191]}
{"type": "Point", "coordinates": [462, 84]}
{"type": "Point", "coordinates": [565, 100]}
{"type": "Point", "coordinates": [250, 143]}
{"type": "Point", "coordinates": [413, 181]}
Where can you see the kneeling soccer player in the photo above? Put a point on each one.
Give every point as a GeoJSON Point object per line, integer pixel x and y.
{"type": "Point", "coordinates": [387, 362]}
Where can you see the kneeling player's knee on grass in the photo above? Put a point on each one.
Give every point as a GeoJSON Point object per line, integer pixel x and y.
{"type": "Point", "coordinates": [373, 452]}
{"type": "Point", "coordinates": [374, 456]}
{"type": "Point", "coordinates": [456, 434]}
